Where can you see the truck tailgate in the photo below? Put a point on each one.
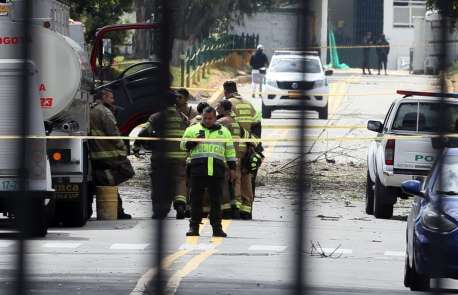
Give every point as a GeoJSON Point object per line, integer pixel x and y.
{"type": "Point", "coordinates": [414, 154]}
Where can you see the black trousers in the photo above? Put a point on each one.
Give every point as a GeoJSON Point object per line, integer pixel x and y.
{"type": "Point", "coordinates": [382, 62]}
{"type": "Point", "coordinates": [214, 185]}
{"type": "Point", "coordinates": [366, 61]}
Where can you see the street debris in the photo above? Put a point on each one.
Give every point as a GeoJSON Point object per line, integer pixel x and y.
{"type": "Point", "coordinates": [317, 250]}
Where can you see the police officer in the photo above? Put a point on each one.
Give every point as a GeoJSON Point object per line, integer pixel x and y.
{"type": "Point", "coordinates": [110, 165]}
{"type": "Point", "coordinates": [200, 109]}
{"type": "Point", "coordinates": [247, 117]}
{"type": "Point", "coordinates": [175, 123]}
{"type": "Point", "coordinates": [208, 168]}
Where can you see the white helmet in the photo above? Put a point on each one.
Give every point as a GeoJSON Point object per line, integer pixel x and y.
{"type": "Point", "coordinates": [260, 47]}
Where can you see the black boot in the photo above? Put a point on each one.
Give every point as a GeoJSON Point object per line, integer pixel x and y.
{"type": "Point", "coordinates": [193, 230]}
{"type": "Point", "coordinates": [227, 214]}
{"type": "Point", "coordinates": [181, 211]}
{"type": "Point", "coordinates": [235, 213]}
{"type": "Point", "coordinates": [218, 231]}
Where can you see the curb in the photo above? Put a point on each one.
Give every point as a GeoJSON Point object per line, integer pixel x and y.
{"type": "Point", "coordinates": [219, 94]}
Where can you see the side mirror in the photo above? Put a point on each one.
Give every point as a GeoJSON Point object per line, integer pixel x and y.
{"type": "Point", "coordinates": [375, 126]}
{"type": "Point", "coordinates": [412, 187]}
{"type": "Point", "coordinates": [328, 72]}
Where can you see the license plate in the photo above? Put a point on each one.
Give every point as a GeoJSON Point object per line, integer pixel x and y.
{"type": "Point", "coordinates": [295, 94]}
{"type": "Point", "coordinates": [8, 185]}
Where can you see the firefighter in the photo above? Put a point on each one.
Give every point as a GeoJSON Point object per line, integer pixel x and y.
{"type": "Point", "coordinates": [175, 123]}
{"type": "Point", "coordinates": [247, 117]}
{"type": "Point", "coordinates": [186, 110]}
{"type": "Point", "coordinates": [208, 168]}
{"type": "Point", "coordinates": [232, 197]}
{"type": "Point", "coordinates": [200, 108]}
{"type": "Point", "coordinates": [110, 165]}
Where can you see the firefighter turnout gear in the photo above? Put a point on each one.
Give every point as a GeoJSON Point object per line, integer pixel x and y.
{"type": "Point", "coordinates": [110, 165]}
{"type": "Point", "coordinates": [175, 124]}
{"type": "Point", "coordinates": [208, 170]}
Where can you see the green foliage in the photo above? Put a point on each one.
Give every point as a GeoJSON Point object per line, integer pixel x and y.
{"type": "Point", "coordinates": [98, 13]}
{"type": "Point", "coordinates": [449, 7]}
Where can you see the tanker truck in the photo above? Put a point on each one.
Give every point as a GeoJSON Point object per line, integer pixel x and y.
{"type": "Point", "coordinates": [61, 81]}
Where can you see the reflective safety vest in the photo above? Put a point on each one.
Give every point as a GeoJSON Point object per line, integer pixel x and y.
{"type": "Point", "coordinates": [208, 158]}
{"type": "Point", "coordinates": [245, 113]}
{"type": "Point", "coordinates": [103, 123]}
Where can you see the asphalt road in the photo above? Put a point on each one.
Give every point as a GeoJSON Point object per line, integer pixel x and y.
{"type": "Point", "coordinates": [345, 251]}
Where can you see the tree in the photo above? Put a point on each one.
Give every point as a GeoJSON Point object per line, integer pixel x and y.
{"type": "Point", "coordinates": [196, 19]}
{"type": "Point", "coordinates": [98, 13]}
{"type": "Point", "coordinates": [448, 7]}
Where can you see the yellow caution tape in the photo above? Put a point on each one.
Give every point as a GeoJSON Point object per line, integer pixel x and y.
{"type": "Point", "coordinates": [253, 140]}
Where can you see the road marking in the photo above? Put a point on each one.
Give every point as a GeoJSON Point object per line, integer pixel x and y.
{"type": "Point", "coordinates": [195, 262]}
{"type": "Point", "coordinates": [395, 253]}
{"type": "Point", "coordinates": [6, 244]}
{"type": "Point", "coordinates": [267, 248]}
{"type": "Point", "coordinates": [197, 247]}
{"type": "Point", "coordinates": [129, 246]}
{"type": "Point", "coordinates": [147, 277]}
{"type": "Point", "coordinates": [58, 245]}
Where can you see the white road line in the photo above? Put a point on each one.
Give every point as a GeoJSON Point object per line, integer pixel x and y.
{"type": "Point", "coordinates": [129, 246]}
{"type": "Point", "coordinates": [203, 247]}
{"type": "Point", "coordinates": [395, 253]}
{"type": "Point", "coordinates": [268, 248]}
{"type": "Point", "coordinates": [56, 245]}
{"type": "Point", "coordinates": [6, 244]}
{"type": "Point", "coordinates": [338, 251]}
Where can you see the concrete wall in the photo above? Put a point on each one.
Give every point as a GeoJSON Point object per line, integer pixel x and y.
{"type": "Point", "coordinates": [401, 39]}
{"type": "Point", "coordinates": [277, 29]}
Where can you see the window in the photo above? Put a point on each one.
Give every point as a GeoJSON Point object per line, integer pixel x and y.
{"type": "Point", "coordinates": [423, 117]}
{"type": "Point", "coordinates": [295, 65]}
{"type": "Point", "coordinates": [405, 11]}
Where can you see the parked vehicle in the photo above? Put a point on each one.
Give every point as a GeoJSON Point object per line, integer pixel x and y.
{"type": "Point", "coordinates": [61, 86]}
{"type": "Point", "coordinates": [402, 150]}
{"type": "Point", "coordinates": [294, 77]}
{"type": "Point", "coordinates": [432, 225]}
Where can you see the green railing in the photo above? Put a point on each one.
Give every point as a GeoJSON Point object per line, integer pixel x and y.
{"type": "Point", "coordinates": [196, 61]}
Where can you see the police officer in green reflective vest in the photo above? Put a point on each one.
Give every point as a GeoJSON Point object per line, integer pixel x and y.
{"type": "Point", "coordinates": [208, 168]}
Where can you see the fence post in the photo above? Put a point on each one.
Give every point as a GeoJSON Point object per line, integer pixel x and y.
{"type": "Point", "coordinates": [188, 68]}
{"type": "Point", "coordinates": [183, 69]}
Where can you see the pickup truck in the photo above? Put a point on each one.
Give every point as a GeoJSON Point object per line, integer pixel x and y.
{"type": "Point", "coordinates": [402, 149]}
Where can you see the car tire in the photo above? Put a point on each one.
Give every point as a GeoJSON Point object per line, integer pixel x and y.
{"type": "Point", "coordinates": [416, 281]}
{"type": "Point", "coordinates": [381, 194]}
{"type": "Point", "coordinates": [369, 201]}
{"type": "Point", "coordinates": [266, 112]}
{"type": "Point", "coordinates": [323, 113]}
{"type": "Point", "coordinates": [34, 222]}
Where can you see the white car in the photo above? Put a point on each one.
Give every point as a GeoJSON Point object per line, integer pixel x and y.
{"type": "Point", "coordinates": [403, 148]}
{"type": "Point", "coordinates": [295, 77]}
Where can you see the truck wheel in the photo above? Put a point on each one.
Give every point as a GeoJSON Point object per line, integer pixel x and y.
{"type": "Point", "coordinates": [266, 112]}
{"type": "Point", "coordinates": [381, 196]}
{"type": "Point", "coordinates": [323, 113]}
{"type": "Point", "coordinates": [35, 223]}
{"type": "Point", "coordinates": [75, 214]}
{"type": "Point", "coordinates": [369, 195]}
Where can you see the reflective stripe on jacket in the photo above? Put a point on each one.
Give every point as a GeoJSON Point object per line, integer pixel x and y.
{"type": "Point", "coordinates": [208, 158]}
{"type": "Point", "coordinates": [245, 113]}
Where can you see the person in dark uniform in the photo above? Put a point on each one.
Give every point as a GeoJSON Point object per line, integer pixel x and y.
{"type": "Point", "coordinates": [367, 42]}
{"type": "Point", "coordinates": [382, 53]}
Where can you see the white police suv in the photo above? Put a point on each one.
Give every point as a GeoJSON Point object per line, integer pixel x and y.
{"type": "Point", "coordinates": [295, 77]}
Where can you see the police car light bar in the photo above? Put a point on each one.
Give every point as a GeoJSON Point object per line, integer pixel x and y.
{"type": "Point", "coordinates": [423, 93]}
